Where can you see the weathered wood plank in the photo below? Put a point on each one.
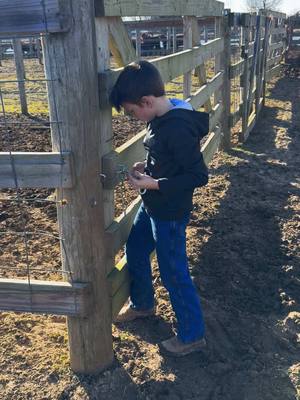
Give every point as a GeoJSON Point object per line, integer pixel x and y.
{"type": "Point", "coordinates": [251, 124]}
{"type": "Point", "coordinates": [211, 145]}
{"type": "Point", "coordinates": [35, 170]}
{"type": "Point", "coordinates": [215, 115]}
{"type": "Point", "coordinates": [117, 233]}
{"type": "Point", "coordinates": [120, 298]}
{"type": "Point", "coordinates": [45, 297]}
{"type": "Point", "coordinates": [71, 58]}
{"type": "Point", "coordinates": [226, 86]}
{"type": "Point", "coordinates": [118, 275]}
{"type": "Point", "coordinates": [235, 117]}
{"type": "Point", "coordinates": [245, 80]}
{"type": "Point", "coordinates": [276, 46]}
{"type": "Point", "coordinates": [253, 70]}
{"type": "Point", "coordinates": [203, 94]}
{"type": "Point", "coordinates": [122, 157]}
{"type": "Point", "coordinates": [273, 61]}
{"type": "Point", "coordinates": [236, 69]}
{"type": "Point", "coordinates": [187, 44]}
{"type": "Point", "coordinates": [119, 42]}
{"type": "Point", "coordinates": [274, 14]}
{"type": "Point", "coordinates": [271, 73]}
{"type": "Point", "coordinates": [20, 72]}
{"type": "Point", "coordinates": [32, 17]}
{"type": "Point", "coordinates": [170, 66]}
{"type": "Point", "coordinates": [200, 70]}
{"type": "Point", "coordinates": [166, 8]}
{"type": "Point", "coordinates": [278, 31]}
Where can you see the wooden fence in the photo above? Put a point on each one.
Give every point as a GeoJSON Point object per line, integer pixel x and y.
{"type": "Point", "coordinates": [84, 167]}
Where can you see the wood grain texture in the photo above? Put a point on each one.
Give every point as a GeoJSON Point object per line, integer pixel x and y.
{"type": "Point", "coordinates": [117, 233]}
{"type": "Point", "coordinates": [30, 17]}
{"type": "Point", "coordinates": [187, 44]}
{"type": "Point", "coordinates": [200, 71]}
{"type": "Point", "coordinates": [271, 73]}
{"type": "Point", "coordinates": [36, 170]}
{"type": "Point", "coordinates": [203, 94]}
{"type": "Point", "coordinates": [128, 8]}
{"type": "Point", "coordinates": [45, 297]}
{"type": "Point", "coordinates": [20, 72]}
{"type": "Point", "coordinates": [119, 42]}
{"type": "Point", "coordinates": [84, 131]}
{"type": "Point", "coordinates": [211, 145]}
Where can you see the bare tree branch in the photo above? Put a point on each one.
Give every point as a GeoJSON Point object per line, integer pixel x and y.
{"type": "Point", "coordinates": [255, 5]}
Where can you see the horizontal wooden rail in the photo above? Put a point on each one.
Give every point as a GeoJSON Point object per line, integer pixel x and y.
{"type": "Point", "coordinates": [35, 170]}
{"type": "Point", "coordinates": [118, 275]}
{"type": "Point", "coordinates": [251, 123]}
{"type": "Point", "coordinates": [273, 61]}
{"type": "Point", "coordinates": [236, 69]}
{"type": "Point", "coordinates": [201, 8]}
{"type": "Point", "coordinates": [274, 14]}
{"type": "Point", "coordinates": [211, 145]}
{"type": "Point", "coordinates": [120, 298]}
{"type": "Point", "coordinates": [31, 17]}
{"type": "Point", "coordinates": [170, 66]}
{"type": "Point", "coordinates": [117, 233]}
{"type": "Point", "coordinates": [278, 31]}
{"type": "Point", "coordinates": [44, 297]}
{"type": "Point", "coordinates": [276, 46]}
{"type": "Point", "coordinates": [215, 116]}
{"type": "Point", "coordinates": [203, 94]}
{"type": "Point", "coordinates": [270, 74]}
{"type": "Point", "coordinates": [119, 280]}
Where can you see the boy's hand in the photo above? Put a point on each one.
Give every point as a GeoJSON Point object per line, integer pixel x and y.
{"type": "Point", "coordinates": [138, 166]}
{"type": "Point", "coordinates": [142, 181]}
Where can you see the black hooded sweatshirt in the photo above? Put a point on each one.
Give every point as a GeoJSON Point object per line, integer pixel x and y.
{"type": "Point", "coordinates": [173, 157]}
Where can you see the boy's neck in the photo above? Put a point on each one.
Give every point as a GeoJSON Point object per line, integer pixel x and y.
{"type": "Point", "coordinates": [162, 106]}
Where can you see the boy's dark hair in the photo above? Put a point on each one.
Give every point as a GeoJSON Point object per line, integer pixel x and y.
{"type": "Point", "coordinates": [135, 81]}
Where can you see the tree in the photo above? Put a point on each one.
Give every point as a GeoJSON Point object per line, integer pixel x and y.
{"type": "Point", "coordinates": [256, 5]}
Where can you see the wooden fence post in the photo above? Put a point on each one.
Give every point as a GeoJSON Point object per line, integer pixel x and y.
{"type": "Point", "coordinates": [20, 71]}
{"type": "Point", "coordinates": [174, 39]}
{"type": "Point", "coordinates": [200, 70]}
{"type": "Point", "coordinates": [187, 44]}
{"type": "Point", "coordinates": [226, 87]}
{"type": "Point", "coordinates": [222, 63]}
{"type": "Point", "coordinates": [71, 67]}
{"type": "Point", "coordinates": [245, 76]}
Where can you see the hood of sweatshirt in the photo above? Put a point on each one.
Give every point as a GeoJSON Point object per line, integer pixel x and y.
{"type": "Point", "coordinates": [183, 111]}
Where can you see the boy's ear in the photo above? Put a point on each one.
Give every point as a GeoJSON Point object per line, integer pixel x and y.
{"type": "Point", "coordinates": [147, 101]}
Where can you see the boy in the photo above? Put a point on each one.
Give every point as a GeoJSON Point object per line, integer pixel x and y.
{"type": "Point", "coordinates": [173, 168]}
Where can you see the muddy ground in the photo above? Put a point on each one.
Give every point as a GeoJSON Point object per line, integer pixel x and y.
{"type": "Point", "coordinates": [243, 245]}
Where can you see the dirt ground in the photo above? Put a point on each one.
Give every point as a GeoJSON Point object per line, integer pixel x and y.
{"type": "Point", "coordinates": [243, 245]}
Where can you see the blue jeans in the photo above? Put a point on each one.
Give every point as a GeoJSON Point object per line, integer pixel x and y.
{"type": "Point", "coordinates": [169, 240]}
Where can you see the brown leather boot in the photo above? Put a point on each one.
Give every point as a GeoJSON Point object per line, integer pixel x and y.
{"type": "Point", "coordinates": [130, 314]}
{"type": "Point", "coordinates": [174, 347]}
